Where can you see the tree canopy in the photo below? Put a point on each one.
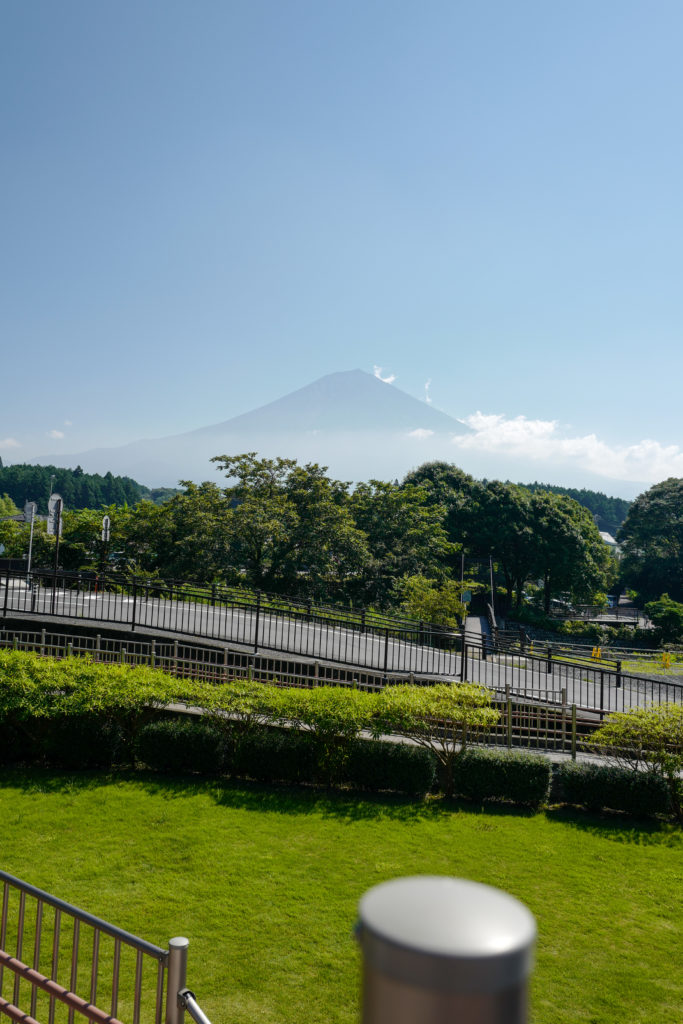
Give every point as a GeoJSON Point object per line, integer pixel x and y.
{"type": "Point", "coordinates": [652, 542]}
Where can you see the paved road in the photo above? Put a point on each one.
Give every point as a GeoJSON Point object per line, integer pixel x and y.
{"type": "Point", "coordinates": [588, 687]}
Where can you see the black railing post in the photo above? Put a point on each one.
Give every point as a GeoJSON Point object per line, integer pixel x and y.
{"type": "Point", "coordinates": [258, 616]}
{"type": "Point", "coordinates": [386, 648]}
{"type": "Point", "coordinates": [549, 667]}
{"type": "Point", "coordinates": [4, 612]}
{"type": "Point", "coordinates": [213, 595]}
{"type": "Point", "coordinates": [463, 663]}
{"type": "Point", "coordinates": [135, 604]}
{"type": "Point", "coordinates": [602, 694]}
{"type": "Point", "coordinates": [618, 674]}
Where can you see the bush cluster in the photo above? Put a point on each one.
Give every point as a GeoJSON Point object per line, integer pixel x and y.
{"type": "Point", "coordinates": [601, 787]}
{"type": "Point", "coordinates": [282, 755]}
{"type": "Point", "coordinates": [489, 775]}
{"type": "Point", "coordinates": [75, 714]}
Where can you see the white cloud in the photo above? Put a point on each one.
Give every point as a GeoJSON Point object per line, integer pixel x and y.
{"type": "Point", "coordinates": [9, 442]}
{"type": "Point", "coordinates": [540, 440]}
{"type": "Point", "coordinates": [421, 433]}
{"type": "Point", "coordinates": [377, 370]}
{"type": "Point", "coordinates": [428, 384]}
{"type": "Point", "coordinates": [56, 435]}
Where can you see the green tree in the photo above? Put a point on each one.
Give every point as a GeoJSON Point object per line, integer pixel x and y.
{"type": "Point", "coordinates": [570, 555]}
{"type": "Point", "coordinates": [448, 486]}
{"type": "Point", "coordinates": [652, 542]}
{"type": "Point", "coordinates": [436, 603]}
{"type": "Point", "coordinates": [406, 537]}
{"type": "Point", "coordinates": [291, 525]}
{"type": "Point", "coordinates": [667, 616]}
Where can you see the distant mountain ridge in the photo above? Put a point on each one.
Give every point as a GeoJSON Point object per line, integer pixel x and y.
{"type": "Point", "coordinates": [350, 421]}
{"type": "Point", "coordinates": [345, 401]}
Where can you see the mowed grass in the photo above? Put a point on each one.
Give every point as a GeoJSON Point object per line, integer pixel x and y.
{"type": "Point", "coordinates": [265, 884]}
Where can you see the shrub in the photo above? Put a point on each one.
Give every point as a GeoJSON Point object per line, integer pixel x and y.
{"type": "Point", "coordinates": [376, 765]}
{"type": "Point", "coordinates": [82, 741]}
{"type": "Point", "coordinates": [667, 615]}
{"type": "Point", "coordinates": [181, 744]}
{"type": "Point", "coordinates": [273, 755]}
{"type": "Point", "coordinates": [649, 739]}
{"type": "Point", "coordinates": [489, 775]}
{"type": "Point", "coordinates": [441, 717]}
{"type": "Point", "coordinates": [600, 786]}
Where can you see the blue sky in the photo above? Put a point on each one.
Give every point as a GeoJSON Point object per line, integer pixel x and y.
{"type": "Point", "coordinates": [207, 205]}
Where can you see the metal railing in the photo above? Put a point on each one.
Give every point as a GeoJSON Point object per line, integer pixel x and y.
{"type": "Point", "coordinates": [541, 718]}
{"type": "Point", "coordinates": [79, 963]}
{"type": "Point", "coordinates": [254, 621]}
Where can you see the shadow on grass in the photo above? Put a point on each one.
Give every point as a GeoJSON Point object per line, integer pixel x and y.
{"type": "Point", "coordinates": [343, 805]}
{"type": "Point", "coordinates": [618, 828]}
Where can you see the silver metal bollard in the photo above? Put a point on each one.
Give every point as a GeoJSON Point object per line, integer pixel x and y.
{"type": "Point", "coordinates": [176, 979]}
{"type": "Point", "coordinates": [442, 950]}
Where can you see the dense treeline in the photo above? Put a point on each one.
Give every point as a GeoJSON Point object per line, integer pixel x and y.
{"type": "Point", "coordinates": [79, 490]}
{"type": "Point", "coordinates": [291, 529]}
{"type": "Point", "coordinates": [609, 513]}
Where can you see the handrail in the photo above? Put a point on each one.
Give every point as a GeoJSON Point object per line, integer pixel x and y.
{"type": "Point", "coordinates": [82, 915]}
{"type": "Point", "coordinates": [56, 991]}
{"type": "Point", "coordinates": [188, 1001]}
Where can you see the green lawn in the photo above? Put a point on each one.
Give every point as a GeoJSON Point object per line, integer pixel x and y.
{"type": "Point", "coordinates": [265, 884]}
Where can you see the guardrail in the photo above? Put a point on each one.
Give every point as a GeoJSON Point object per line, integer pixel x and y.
{"type": "Point", "coordinates": [112, 960]}
{"type": "Point", "coordinates": [594, 684]}
{"type": "Point", "coordinates": [213, 613]}
{"type": "Point", "coordinates": [541, 718]}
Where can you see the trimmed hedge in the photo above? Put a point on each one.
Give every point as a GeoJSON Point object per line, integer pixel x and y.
{"type": "Point", "coordinates": [83, 741]}
{"type": "Point", "coordinates": [489, 775]}
{"type": "Point", "coordinates": [279, 755]}
{"type": "Point", "coordinates": [377, 764]}
{"type": "Point", "coordinates": [182, 744]}
{"type": "Point", "coordinates": [276, 755]}
{"type": "Point", "coordinates": [599, 787]}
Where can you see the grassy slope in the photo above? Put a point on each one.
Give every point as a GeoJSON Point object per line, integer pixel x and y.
{"type": "Point", "coordinates": [265, 884]}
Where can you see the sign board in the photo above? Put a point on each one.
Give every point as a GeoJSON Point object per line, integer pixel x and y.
{"type": "Point", "coordinates": [54, 505]}
{"type": "Point", "coordinates": [106, 528]}
{"type": "Point", "coordinates": [30, 510]}
{"type": "Point", "coordinates": [466, 596]}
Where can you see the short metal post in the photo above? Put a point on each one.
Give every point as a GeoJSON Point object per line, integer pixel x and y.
{"type": "Point", "coordinates": [98, 647]}
{"type": "Point", "coordinates": [386, 648]}
{"type": "Point", "coordinates": [463, 663]}
{"type": "Point", "coordinates": [444, 950]}
{"type": "Point", "coordinates": [135, 604]}
{"type": "Point", "coordinates": [42, 643]}
{"type": "Point", "coordinates": [508, 714]}
{"type": "Point", "coordinates": [176, 979]}
{"type": "Point", "coordinates": [573, 732]}
{"type": "Point", "coordinates": [152, 654]}
{"type": "Point", "coordinates": [549, 667]}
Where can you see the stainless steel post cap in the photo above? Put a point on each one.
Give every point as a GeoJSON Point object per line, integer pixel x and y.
{"type": "Point", "coordinates": [446, 933]}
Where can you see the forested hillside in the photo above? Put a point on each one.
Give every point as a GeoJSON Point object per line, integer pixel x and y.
{"type": "Point", "coordinates": [79, 490]}
{"type": "Point", "coordinates": [609, 513]}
